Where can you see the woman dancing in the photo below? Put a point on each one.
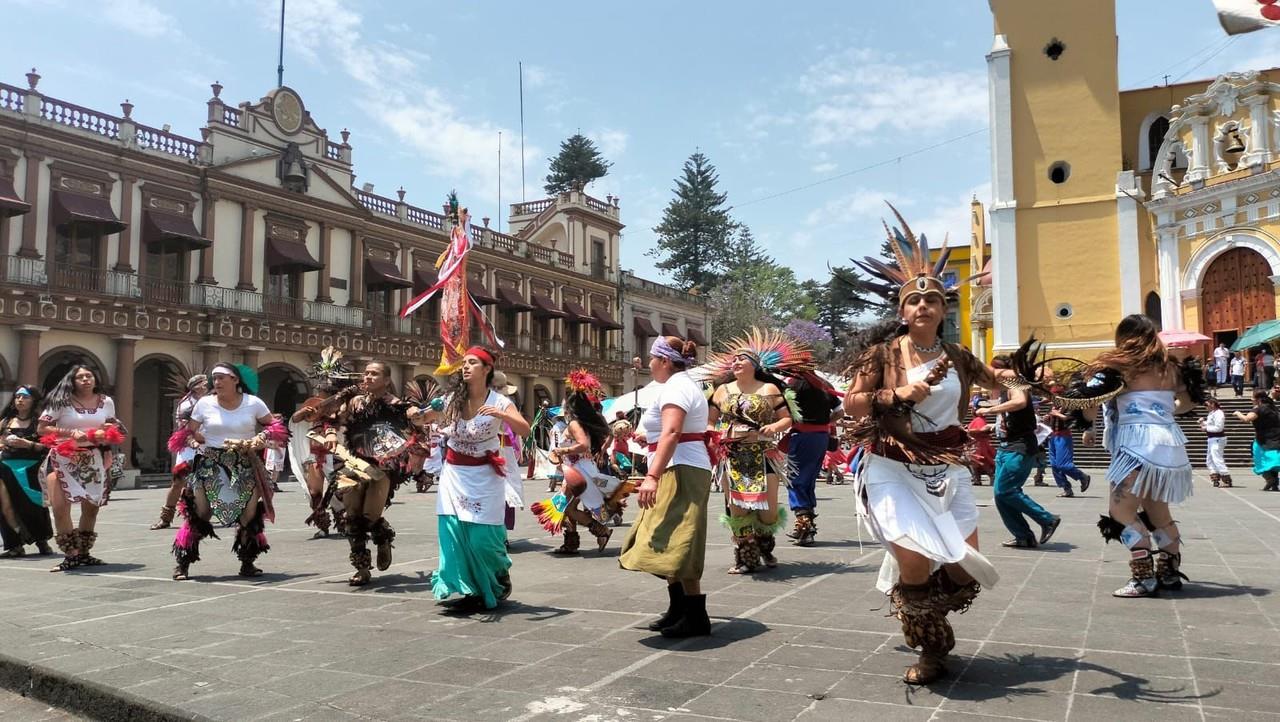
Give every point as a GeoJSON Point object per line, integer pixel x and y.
{"type": "Point", "coordinates": [196, 387]}
{"type": "Point", "coordinates": [23, 518]}
{"type": "Point", "coordinates": [669, 539]}
{"type": "Point", "coordinates": [909, 393]}
{"type": "Point", "coordinates": [79, 426]}
{"type": "Point", "coordinates": [586, 440]}
{"type": "Point", "coordinates": [1144, 390]}
{"type": "Point", "coordinates": [1266, 442]}
{"type": "Point", "coordinates": [749, 399]}
{"type": "Point", "coordinates": [471, 498]}
{"type": "Point", "coordinates": [227, 480]}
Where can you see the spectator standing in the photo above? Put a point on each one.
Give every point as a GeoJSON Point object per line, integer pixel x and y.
{"type": "Point", "coordinates": [1220, 358]}
{"type": "Point", "coordinates": [1237, 373]}
{"type": "Point", "coordinates": [1214, 424]}
{"type": "Point", "coordinates": [1268, 367]}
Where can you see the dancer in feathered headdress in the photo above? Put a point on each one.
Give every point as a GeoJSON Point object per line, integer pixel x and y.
{"type": "Point", "coordinates": [311, 435]}
{"type": "Point", "coordinates": [457, 307]}
{"type": "Point", "coordinates": [590, 496]}
{"type": "Point", "coordinates": [754, 407]}
{"type": "Point", "coordinates": [908, 395]}
{"type": "Point", "coordinates": [188, 391]}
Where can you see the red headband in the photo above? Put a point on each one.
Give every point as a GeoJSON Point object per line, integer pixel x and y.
{"type": "Point", "coordinates": [481, 354]}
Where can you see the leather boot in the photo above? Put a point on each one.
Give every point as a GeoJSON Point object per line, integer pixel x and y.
{"type": "Point", "coordinates": [70, 551]}
{"type": "Point", "coordinates": [1168, 570]}
{"type": "Point", "coordinates": [382, 535]}
{"type": "Point", "coordinates": [85, 541]}
{"type": "Point", "coordinates": [1226, 481]}
{"type": "Point", "coordinates": [361, 559]}
{"type": "Point", "coordinates": [1143, 583]}
{"type": "Point", "coordinates": [675, 606]}
{"type": "Point", "coordinates": [571, 543]}
{"type": "Point", "coordinates": [1215, 478]}
{"type": "Point", "coordinates": [924, 626]}
{"type": "Point", "coordinates": [601, 533]}
{"type": "Point", "coordinates": [166, 518]}
{"type": "Point", "coordinates": [694, 622]}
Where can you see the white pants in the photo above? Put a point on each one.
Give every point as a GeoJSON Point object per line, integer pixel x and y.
{"type": "Point", "coordinates": [1213, 457]}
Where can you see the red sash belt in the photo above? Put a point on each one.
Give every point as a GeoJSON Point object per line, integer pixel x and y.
{"type": "Point", "coordinates": [810, 428]}
{"type": "Point", "coordinates": [952, 438]}
{"type": "Point", "coordinates": [490, 458]}
{"type": "Point", "coordinates": [694, 436]}
{"type": "Point", "coordinates": [710, 439]}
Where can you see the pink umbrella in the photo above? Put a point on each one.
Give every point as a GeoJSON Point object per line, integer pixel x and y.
{"type": "Point", "coordinates": [1179, 338]}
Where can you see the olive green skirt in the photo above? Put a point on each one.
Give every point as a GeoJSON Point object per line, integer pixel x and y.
{"type": "Point", "coordinates": [670, 540]}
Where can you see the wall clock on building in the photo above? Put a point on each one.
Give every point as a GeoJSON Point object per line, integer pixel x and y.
{"type": "Point", "coordinates": [286, 108]}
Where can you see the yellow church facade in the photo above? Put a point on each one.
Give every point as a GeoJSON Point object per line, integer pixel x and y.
{"type": "Point", "coordinates": [1163, 200]}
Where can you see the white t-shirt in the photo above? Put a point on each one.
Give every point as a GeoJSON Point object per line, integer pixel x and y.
{"type": "Point", "coordinates": [684, 392]}
{"type": "Point", "coordinates": [1221, 353]}
{"type": "Point", "coordinates": [77, 419]}
{"type": "Point", "coordinates": [220, 425]}
{"type": "Point", "coordinates": [1237, 366]}
{"type": "Point", "coordinates": [478, 434]}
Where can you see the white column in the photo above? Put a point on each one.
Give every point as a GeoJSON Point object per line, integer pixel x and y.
{"type": "Point", "coordinates": [1128, 196]}
{"type": "Point", "coordinates": [1201, 152]}
{"type": "Point", "coordinates": [1170, 267]}
{"type": "Point", "coordinates": [1260, 125]}
{"type": "Point", "coordinates": [1003, 228]}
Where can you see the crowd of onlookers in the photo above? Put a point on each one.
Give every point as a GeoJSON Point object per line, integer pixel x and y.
{"type": "Point", "coordinates": [1240, 368]}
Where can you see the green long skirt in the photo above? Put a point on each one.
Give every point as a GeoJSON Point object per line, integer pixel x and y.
{"type": "Point", "coordinates": [472, 556]}
{"type": "Point", "coordinates": [670, 539]}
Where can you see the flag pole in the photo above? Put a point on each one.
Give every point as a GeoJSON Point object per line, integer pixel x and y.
{"type": "Point", "coordinates": [280, 67]}
{"type": "Point", "coordinates": [499, 181]}
{"type": "Point", "coordinates": [521, 67]}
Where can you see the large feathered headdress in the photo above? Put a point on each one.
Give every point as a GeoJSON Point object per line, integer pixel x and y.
{"type": "Point", "coordinates": [582, 381]}
{"type": "Point", "coordinates": [330, 365]}
{"type": "Point", "coordinates": [769, 350]}
{"type": "Point", "coordinates": [912, 271]}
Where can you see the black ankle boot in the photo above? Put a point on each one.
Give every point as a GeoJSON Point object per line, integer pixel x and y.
{"type": "Point", "coordinates": [694, 622]}
{"type": "Point", "coordinates": [675, 593]}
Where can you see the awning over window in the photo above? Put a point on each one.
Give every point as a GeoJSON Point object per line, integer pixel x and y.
{"type": "Point", "coordinates": [90, 213]}
{"type": "Point", "coordinates": [290, 256]}
{"type": "Point", "coordinates": [10, 204]}
{"type": "Point", "coordinates": [423, 278]}
{"type": "Point", "coordinates": [575, 313]}
{"type": "Point", "coordinates": [169, 233]}
{"type": "Point", "coordinates": [695, 335]}
{"type": "Point", "coordinates": [380, 275]}
{"type": "Point", "coordinates": [644, 327]}
{"type": "Point", "coordinates": [670, 329]}
{"type": "Point", "coordinates": [601, 314]}
{"type": "Point", "coordinates": [543, 307]}
{"type": "Point", "coordinates": [481, 294]}
{"type": "Point", "coordinates": [510, 298]}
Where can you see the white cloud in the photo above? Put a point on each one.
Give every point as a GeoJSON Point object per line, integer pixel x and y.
{"type": "Point", "coordinates": [328, 33]}
{"type": "Point", "coordinates": [611, 142]}
{"type": "Point", "coordinates": [536, 76]}
{"type": "Point", "coordinates": [858, 95]}
{"type": "Point", "coordinates": [948, 217]}
{"type": "Point", "coordinates": [140, 17]}
{"type": "Point", "coordinates": [822, 168]}
{"type": "Point", "coordinates": [862, 207]}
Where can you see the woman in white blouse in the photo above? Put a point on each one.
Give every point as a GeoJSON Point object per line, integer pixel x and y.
{"type": "Point", "coordinates": [83, 420]}
{"type": "Point", "coordinates": [227, 480]}
{"type": "Point", "coordinates": [471, 497]}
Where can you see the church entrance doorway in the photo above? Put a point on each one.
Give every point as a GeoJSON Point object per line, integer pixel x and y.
{"type": "Point", "coordinates": [1237, 292]}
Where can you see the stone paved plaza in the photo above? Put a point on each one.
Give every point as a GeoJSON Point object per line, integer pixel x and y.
{"type": "Point", "coordinates": [807, 641]}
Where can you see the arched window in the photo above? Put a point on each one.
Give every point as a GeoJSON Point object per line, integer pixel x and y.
{"type": "Point", "coordinates": [1152, 308]}
{"type": "Point", "coordinates": [1155, 138]}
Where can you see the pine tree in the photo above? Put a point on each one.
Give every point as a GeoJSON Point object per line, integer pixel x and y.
{"type": "Point", "coordinates": [578, 163]}
{"type": "Point", "coordinates": [695, 237]}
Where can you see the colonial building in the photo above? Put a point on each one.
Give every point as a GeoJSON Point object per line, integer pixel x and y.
{"type": "Point", "coordinates": [1163, 200]}
{"type": "Point", "coordinates": [148, 254]}
{"type": "Point", "coordinates": [649, 309]}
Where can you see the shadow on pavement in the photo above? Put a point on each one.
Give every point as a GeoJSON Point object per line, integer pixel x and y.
{"type": "Point", "coordinates": [1012, 675]}
{"type": "Point", "coordinates": [1213, 590]}
{"type": "Point", "coordinates": [786, 571]}
{"type": "Point", "coordinates": [723, 634]}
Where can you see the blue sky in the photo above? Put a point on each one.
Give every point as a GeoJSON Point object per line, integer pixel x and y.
{"type": "Point", "coordinates": [779, 96]}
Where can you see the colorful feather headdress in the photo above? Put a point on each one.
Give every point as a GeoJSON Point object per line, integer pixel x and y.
{"type": "Point", "coordinates": [581, 381]}
{"type": "Point", "coordinates": [912, 271]}
{"type": "Point", "coordinates": [330, 365]}
{"type": "Point", "coordinates": [770, 351]}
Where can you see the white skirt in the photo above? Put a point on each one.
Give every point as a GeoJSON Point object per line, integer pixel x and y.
{"type": "Point", "coordinates": [599, 486]}
{"type": "Point", "coordinates": [515, 486]}
{"type": "Point", "coordinates": [900, 511]}
{"type": "Point", "coordinates": [472, 493]}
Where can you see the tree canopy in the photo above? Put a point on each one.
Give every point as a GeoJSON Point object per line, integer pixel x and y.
{"type": "Point", "coordinates": [578, 163]}
{"type": "Point", "coordinates": [695, 236]}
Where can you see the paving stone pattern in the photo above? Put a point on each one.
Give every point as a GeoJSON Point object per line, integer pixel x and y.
{"type": "Point", "coordinates": [806, 641]}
